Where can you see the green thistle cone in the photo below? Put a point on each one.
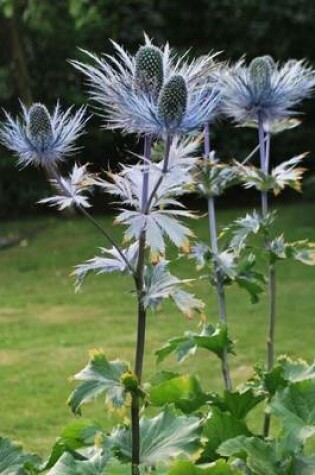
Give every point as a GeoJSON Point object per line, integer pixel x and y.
{"type": "Point", "coordinates": [39, 126]}
{"type": "Point", "coordinates": [173, 101]}
{"type": "Point", "coordinates": [149, 73]}
{"type": "Point", "coordinates": [260, 70]}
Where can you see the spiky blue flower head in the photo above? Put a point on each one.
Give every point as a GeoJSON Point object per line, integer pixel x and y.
{"type": "Point", "coordinates": [113, 82]}
{"type": "Point", "coordinates": [41, 138]}
{"type": "Point", "coordinates": [266, 89]}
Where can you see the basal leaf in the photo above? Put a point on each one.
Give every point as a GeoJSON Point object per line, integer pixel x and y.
{"type": "Point", "coordinates": [295, 408]}
{"type": "Point", "coordinates": [305, 465]}
{"type": "Point", "coordinates": [80, 433]}
{"type": "Point", "coordinates": [100, 376]}
{"type": "Point", "coordinates": [92, 462]}
{"type": "Point", "coordinates": [184, 391]}
{"type": "Point", "coordinates": [286, 371]}
{"type": "Point", "coordinates": [261, 457]}
{"type": "Point", "coordinates": [220, 426]}
{"type": "Point", "coordinates": [164, 437]}
{"type": "Point", "coordinates": [239, 404]}
{"type": "Point", "coordinates": [13, 461]}
{"type": "Point", "coordinates": [220, 467]}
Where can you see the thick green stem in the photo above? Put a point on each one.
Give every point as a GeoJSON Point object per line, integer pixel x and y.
{"type": "Point", "coordinates": [264, 142]}
{"type": "Point", "coordinates": [218, 279]}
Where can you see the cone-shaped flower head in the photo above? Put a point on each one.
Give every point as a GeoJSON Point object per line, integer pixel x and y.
{"type": "Point", "coordinates": [172, 103]}
{"type": "Point", "coordinates": [149, 70]}
{"type": "Point", "coordinates": [266, 89]}
{"type": "Point", "coordinates": [39, 128]}
{"type": "Point", "coordinates": [41, 138]}
{"type": "Point", "coordinates": [260, 70]}
{"type": "Point", "coordinates": [129, 88]}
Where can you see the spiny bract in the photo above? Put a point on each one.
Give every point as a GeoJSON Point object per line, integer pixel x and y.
{"type": "Point", "coordinates": [173, 100]}
{"type": "Point", "coordinates": [149, 74]}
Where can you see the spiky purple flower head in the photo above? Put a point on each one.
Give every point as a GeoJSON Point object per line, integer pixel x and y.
{"type": "Point", "coordinates": [41, 138]}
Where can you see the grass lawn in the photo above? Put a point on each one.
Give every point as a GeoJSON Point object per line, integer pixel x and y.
{"type": "Point", "coordinates": [47, 330]}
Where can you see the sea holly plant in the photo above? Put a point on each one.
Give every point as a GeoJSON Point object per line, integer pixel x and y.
{"type": "Point", "coordinates": [171, 102]}
{"type": "Point", "coordinates": [266, 92]}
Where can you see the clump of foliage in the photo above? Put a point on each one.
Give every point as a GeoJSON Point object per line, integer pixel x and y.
{"type": "Point", "coordinates": [171, 104]}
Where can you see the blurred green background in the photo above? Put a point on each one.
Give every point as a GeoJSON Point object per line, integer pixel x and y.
{"type": "Point", "coordinates": [46, 330]}
{"type": "Point", "coordinates": [39, 36]}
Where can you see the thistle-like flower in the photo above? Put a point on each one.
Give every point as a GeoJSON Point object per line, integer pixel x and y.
{"type": "Point", "coordinates": [41, 138]}
{"type": "Point", "coordinates": [266, 89]}
{"type": "Point", "coordinates": [133, 92]}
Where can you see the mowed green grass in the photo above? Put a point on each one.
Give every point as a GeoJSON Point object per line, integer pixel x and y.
{"type": "Point", "coordinates": [46, 330]}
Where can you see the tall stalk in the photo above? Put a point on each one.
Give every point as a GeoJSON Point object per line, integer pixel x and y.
{"type": "Point", "coordinates": [264, 142]}
{"type": "Point", "coordinates": [141, 323]}
{"type": "Point", "coordinates": [218, 279]}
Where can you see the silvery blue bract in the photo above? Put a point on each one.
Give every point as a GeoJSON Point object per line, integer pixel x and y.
{"type": "Point", "coordinates": [41, 138]}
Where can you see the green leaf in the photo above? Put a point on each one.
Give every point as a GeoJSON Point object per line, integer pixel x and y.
{"type": "Point", "coordinates": [240, 403]}
{"type": "Point", "coordinates": [213, 339]}
{"type": "Point", "coordinates": [220, 426]}
{"type": "Point", "coordinates": [220, 467]}
{"type": "Point", "coordinates": [7, 7]}
{"type": "Point", "coordinates": [286, 371]}
{"type": "Point", "coordinates": [80, 433]}
{"type": "Point", "coordinates": [99, 376]}
{"type": "Point", "coordinates": [93, 462]}
{"type": "Point", "coordinates": [305, 465]}
{"type": "Point", "coordinates": [184, 391]}
{"type": "Point", "coordinates": [164, 437]}
{"type": "Point", "coordinates": [260, 456]}
{"type": "Point", "coordinates": [13, 461]}
{"type": "Point", "coordinates": [295, 408]}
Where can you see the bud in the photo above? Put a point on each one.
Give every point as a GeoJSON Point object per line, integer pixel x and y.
{"type": "Point", "coordinates": [260, 70]}
{"type": "Point", "coordinates": [149, 70]}
{"type": "Point", "coordinates": [130, 381]}
{"type": "Point", "coordinates": [39, 125]}
{"type": "Point", "coordinates": [173, 101]}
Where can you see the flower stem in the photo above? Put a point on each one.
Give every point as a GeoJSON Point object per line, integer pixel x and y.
{"type": "Point", "coordinates": [218, 279]}
{"type": "Point", "coordinates": [54, 173]}
{"type": "Point", "coordinates": [264, 142]}
{"type": "Point", "coordinates": [164, 171]}
{"type": "Point", "coordinates": [141, 329]}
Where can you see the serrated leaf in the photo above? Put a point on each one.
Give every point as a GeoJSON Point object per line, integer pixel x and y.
{"type": "Point", "coordinates": [305, 465]}
{"type": "Point", "coordinates": [93, 462]}
{"type": "Point", "coordinates": [295, 408]}
{"type": "Point", "coordinates": [162, 438]}
{"type": "Point", "coordinates": [284, 372]}
{"type": "Point", "coordinates": [220, 467]}
{"type": "Point", "coordinates": [13, 461]}
{"type": "Point", "coordinates": [184, 391]}
{"type": "Point", "coordinates": [100, 376]}
{"type": "Point", "coordinates": [161, 284]}
{"type": "Point", "coordinates": [260, 456]}
{"type": "Point", "coordinates": [220, 426]}
{"type": "Point", "coordinates": [74, 436]}
{"type": "Point", "coordinates": [213, 339]}
{"type": "Point", "coordinates": [239, 404]}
